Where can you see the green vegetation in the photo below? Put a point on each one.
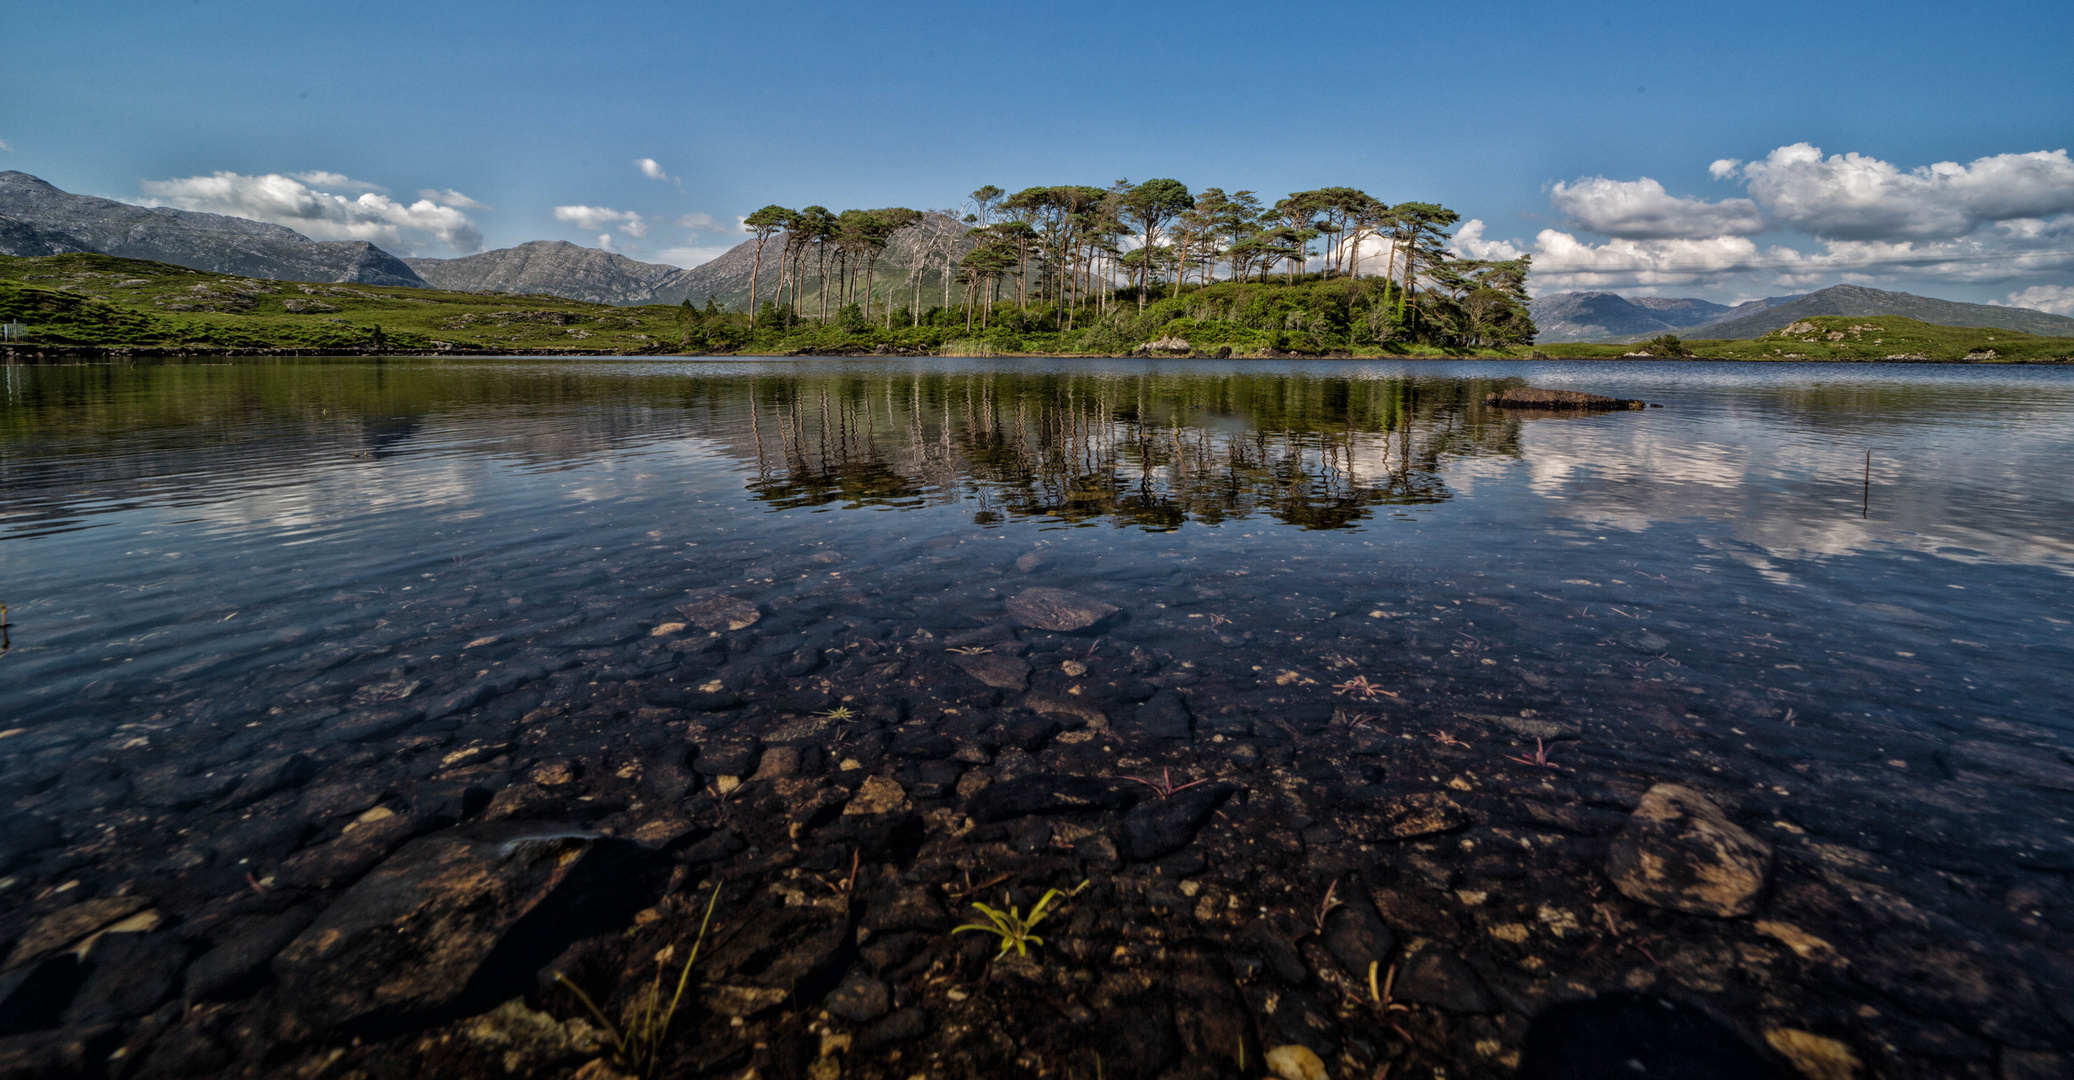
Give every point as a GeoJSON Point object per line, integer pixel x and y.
{"type": "Point", "coordinates": [99, 300]}
{"type": "Point", "coordinates": [1012, 927]}
{"type": "Point", "coordinates": [1075, 268]}
{"type": "Point", "coordinates": [637, 1045]}
{"type": "Point", "coordinates": [1463, 308]}
{"type": "Point", "coordinates": [1849, 338]}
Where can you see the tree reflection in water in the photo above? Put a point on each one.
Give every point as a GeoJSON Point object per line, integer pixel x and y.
{"type": "Point", "coordinates": [1147, 450]}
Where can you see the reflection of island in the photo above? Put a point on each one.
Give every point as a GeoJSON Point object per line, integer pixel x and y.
{"type": "Point", "coordinates": [1148, 450]}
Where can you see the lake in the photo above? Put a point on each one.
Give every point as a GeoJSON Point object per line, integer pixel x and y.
{"type": "Point", "coordinates": [1835, 598]}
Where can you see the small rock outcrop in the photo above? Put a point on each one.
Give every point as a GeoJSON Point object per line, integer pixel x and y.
{"type": "Point", "coordinates": [1164, 346]}
{"type": "Point", "coordinates": [1530, 397]}
{"type": "Point", "coordinates": [409, 937]}
{"type": "Point", "coordinates": [1680, 851]}
{"type": "Point", "coordinates": [1059, 610]}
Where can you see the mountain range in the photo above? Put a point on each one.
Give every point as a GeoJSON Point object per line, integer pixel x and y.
{"type": "Point", "coordinates": [1605, 316]}
{"type": "Point", "coordinates": [556, 268]}
{"type": "Point", "coordinates": [38, 219]}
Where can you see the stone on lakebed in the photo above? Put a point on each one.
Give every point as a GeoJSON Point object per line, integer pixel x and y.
{"type": "Point", "coordinates": [410, 937]}
{"type": "Point", "coordinates": [1680, 851]}
{"type": "Point", "coordinates": [1058, 610]}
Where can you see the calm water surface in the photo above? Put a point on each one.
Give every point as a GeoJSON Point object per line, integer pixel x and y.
{"type": "Point", "coordinates": [206, 556]}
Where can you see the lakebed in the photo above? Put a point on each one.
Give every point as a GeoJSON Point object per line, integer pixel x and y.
{"type": "Point", "coordinates": [1742, 719]}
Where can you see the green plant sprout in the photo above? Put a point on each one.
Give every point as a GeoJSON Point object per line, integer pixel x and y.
{"type": "Point", "coordinates": [638, 1047]}
{"type": "Point", "coordinates": [1012, 927]}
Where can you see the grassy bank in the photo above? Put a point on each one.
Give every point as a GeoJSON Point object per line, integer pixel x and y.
{"type": "Point", "coordinates": [84, 303]}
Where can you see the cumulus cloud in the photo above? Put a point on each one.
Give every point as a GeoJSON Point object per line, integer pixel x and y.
{"type": "Point", "coordinates": [651, 169]}
{"type": "Point", "coordinates": [598, 217]}
{"type": "Point", "coordinates": [336, 181]}
{"type": "Point", "coordinates": [1643, 210]}
{"type": "Point", "coordinates": [1470, 243]}
{"type": "Point", "coordinates": [324, 215]}
{"type": "Point", "coordinates": [697, 222]}
{"type": "Point", "coordinates": [2057, 299]}
{"type": "Point", "coordinates": [450, 197]}
{"type": "Point", "coordinates": [1856, 197]}
{"type": "Point", "coordinates": [1998, 218]}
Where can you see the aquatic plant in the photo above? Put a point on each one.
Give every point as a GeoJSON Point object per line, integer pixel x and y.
{"type": "Point", "coordinates": [637, 1043]}
{"type": "Point", "coordinates": [1539, 760]}
{"type": "Point", "coordinates": [1013, 927]}
{"type": "Point", "coordinates": [1445, 738]}
{"type": "Point", "coordinates": [840, 714]}
{"type": "Point", "coordinates": [1384, 1002]}
{"type": "Point", "coordinates": [1360, 687]}
{"type": "Point", "coordinates": [1327, 906]}
{"type": "Point", "coordinates": [968, 650]}
{"type": "Point", "coordinates": [1165, 784]}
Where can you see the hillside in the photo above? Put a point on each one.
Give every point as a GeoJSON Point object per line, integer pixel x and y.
{"type": "Point", "coordinates": [1605, 316]}
{"type": "Point", "coordinates": [102, 301]}
{"type": "Point", "coordinates": [1598, 316]}
{"type": "Point", "coordinates": [554, 268]}
{"type": "Point", "coordinates": [726, 279]}
{"type": "Point", "coordinates": [1858, 301]}
{"type": "Point", "coordinates": [47, 221]}
{"type": "Point", "coordinates": [1860, 339]}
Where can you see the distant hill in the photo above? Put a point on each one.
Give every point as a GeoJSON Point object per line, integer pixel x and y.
{"type": "Point", "coordinates": [1859, 301]}
{"type": "Point", "coordinates": [1605, 316]}
{"type": "Point", "coordinates": [555, 268]}
{"type": "Point", "coordinates": [39, 219]}
{"type": "Point", "coordinates": [726, 278]}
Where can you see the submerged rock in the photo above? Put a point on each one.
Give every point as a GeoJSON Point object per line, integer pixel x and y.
{"type": "Point", "coordinates": [1433, 975]}
{"type": "Point", "coordinates": [1163, 716]}
{"type": "Point", "coordinates": [1047, 794]}
{"type": "Point", "coordinates": [1166, 825]}
{"type": "Point", "coordinates": [1059, 610]}
{"type": "Point", "coordinates": [1625, 1034]}
{"type": "Point", "coordinates": [720, 613]}
{"type": "Point", "coordinates": [410, 936]}
{"type": "Point", "coordinates": [1530, 397]}
{"type": "Point", "coordinates": [999, 672]}
{"type": "Point", "coordinates": [1679, 851]}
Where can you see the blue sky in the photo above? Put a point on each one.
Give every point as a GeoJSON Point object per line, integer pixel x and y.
{"type": "Point", "coordinates": [501, 113]}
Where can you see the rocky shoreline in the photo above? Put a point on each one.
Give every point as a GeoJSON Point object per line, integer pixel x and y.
{"type": "Point", "coordinates": [1354, 881]}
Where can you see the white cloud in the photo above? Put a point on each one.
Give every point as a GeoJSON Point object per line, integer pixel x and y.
{"type": "Point", "coordinates": [1562, 261]}
{"type": "Point", "coordinates": [605, 242]}
{"type": "Point", "coordinates": [1855, 197]}
{"type": "Point", "coordinates": [689, 256]}
{"type": "Point", "coordinates": [697, 222]}
{"type": "Point", "coordinates": [450, 197]}
{"type": "Point", "coordinates": [288, 200]}
{"type": "Point", "coordinates": [336, 181]}
{"type": "Point", "coordinates": [1469, 242]}
{"type": "Point", "coordinates": [1642, 210]}
{"type": "Point", "coordinates": [650, 169]}
{"type": "Point", "coordinates": [4, 148]}
{"type": "Point", "coordinates": [2057, 299]}
{"type": "Point", "coordinates": [598, 217]}
{"type": "Point", "coordinates": [1999, 218]}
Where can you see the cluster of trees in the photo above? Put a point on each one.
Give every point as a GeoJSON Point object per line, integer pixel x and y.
{"type": "Point", "coordinates": [1078, 254]}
